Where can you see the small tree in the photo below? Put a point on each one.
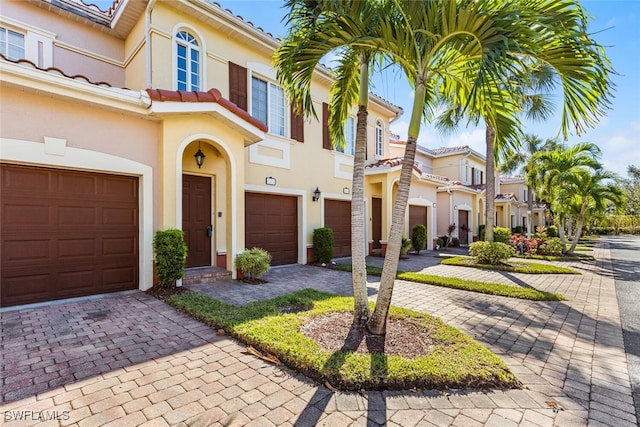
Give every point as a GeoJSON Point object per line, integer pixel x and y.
{"type": "Point", "coordinates": [418, 237]}
{"type": "Point", "coordinates": [253, 263]}
{"type": "Point", "coordinates": [171, 255]}
{"type": "Point", "coordinates": [323, 244]}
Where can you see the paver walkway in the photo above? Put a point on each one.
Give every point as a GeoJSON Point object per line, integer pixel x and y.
{"type": "Point", "coordinates": [132, 360]}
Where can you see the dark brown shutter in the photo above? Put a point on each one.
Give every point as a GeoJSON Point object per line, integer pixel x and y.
{"type": "Point", "coordinates": [238, 85]}
{"type": "Point", "coordinates": [326, 138]}
{"type": "Point", "coordinates": [473, 176]}
{"type": "Point", "coordinates": [297, 126]}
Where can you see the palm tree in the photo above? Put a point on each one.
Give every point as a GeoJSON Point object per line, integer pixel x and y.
{"type": "Point", "coordinates": [575, 180]}
{"type": "Point", "coordinates": [558, 166]}
{"type": "Point", "coordinates": [522, 161]}
{"type": "Point", "coordinates": [314, 29]}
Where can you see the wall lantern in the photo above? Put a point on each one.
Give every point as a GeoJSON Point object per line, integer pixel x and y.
{"type": "Point", "coordinates": [455, 207]}
{"type": "Point", "coordinates": [346, 190]}
{"type": "Point", "coordinates": [434, 205]}
{"type": "Point", "coordinates": [199, 156]}
{"type": "Point", "coordinates": [270, 180]}
{"type": "Point", "coordinates": [316, 194]}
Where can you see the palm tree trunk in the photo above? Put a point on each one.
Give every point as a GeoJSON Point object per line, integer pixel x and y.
{"type": "Point", "coordinates": [490, 136]}
{"type": "Point", "coordinates": [377, 324]}
{"type": "Point", "coordinates": [358, 257]}
{"type": "Point", "coordinates": [579, 225]}
{"type": "Point", "coordinates": [529, 211]}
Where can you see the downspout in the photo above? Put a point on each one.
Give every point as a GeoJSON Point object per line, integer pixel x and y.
{"type": "Point", "coordinates": [147, 37]}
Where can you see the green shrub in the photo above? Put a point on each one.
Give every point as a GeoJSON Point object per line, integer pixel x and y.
{"type": "Point", "coordinates": [501, 234]}
{"type": "Point", "coordinates": [253, 263]}
{"type": "Point", "coordinates": [554, 246]}
{"type": "Point", "coordinates": [439, 242]}
{"type": "Point", "coordinates": [323, 244]}
{"type": "Point", "coordinates": [518, 229]}
{"type": "Point", "coordinates": [552, 231]}
{"type": "Point", "coordinates": [490, 252]}
{"type": "Point", "coordinates": [419, 237]}
{"type": "Point", "coordinates": [481, 231]}
{"type": "Point", "coordinates": [405, 245]}
{"type": "Point", "coordinates": [455, 242]}
{"type": "Point", "coordinates": [170, 256]}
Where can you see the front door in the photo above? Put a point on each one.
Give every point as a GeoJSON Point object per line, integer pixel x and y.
{"type": "Point", "coordinates": [463, 223]}
{"type": "Point", "coordinates": [196, 219]}
{"type": "Point", "coordinates": [376, 222]}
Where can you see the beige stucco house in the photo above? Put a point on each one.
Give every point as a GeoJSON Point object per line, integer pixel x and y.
{"type": "Point", "coordinates": [103, 113]}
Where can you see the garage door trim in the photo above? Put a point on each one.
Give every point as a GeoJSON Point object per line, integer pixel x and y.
{"type": "Point", "coordinates": [31, 153]}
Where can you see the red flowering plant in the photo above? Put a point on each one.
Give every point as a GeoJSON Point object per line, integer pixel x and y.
{"type": "Point", "coordinates": [520, 243]}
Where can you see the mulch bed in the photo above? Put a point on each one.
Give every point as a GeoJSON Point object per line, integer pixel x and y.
{"type": "Point", "coordinates": [336, 331]}
{"type": "Point", "coordinates": [164, 293]}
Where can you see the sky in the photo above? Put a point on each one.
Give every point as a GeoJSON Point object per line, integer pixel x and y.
{"type": "Point", "coordinates": [614, 24]}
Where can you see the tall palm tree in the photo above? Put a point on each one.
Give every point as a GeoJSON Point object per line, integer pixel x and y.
{"type": "Point", "coordinates": [521, 161]}
{"type": "Point", "coordinates": [317, 28]}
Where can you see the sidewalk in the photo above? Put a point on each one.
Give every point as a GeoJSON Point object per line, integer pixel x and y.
{"type": "Point", "coordinates": [132, 360]}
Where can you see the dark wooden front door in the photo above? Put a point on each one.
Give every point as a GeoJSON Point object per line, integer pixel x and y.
{"type": "Point", "coordinates": [417, 215]}
{"type": "Point", "coordinates": [196, 219]}
{"type": "Point", "coordinates": [463, 227]}
{"type": "Point", "coordinates": [66, 234]}
{"type": "Point", "coordinates": [376, 222]}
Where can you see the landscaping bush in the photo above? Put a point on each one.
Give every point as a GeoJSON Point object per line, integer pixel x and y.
{"type": "Point", "coordinates": [481, 231]}
{"type": "Point", "coordinates": [552, 231]}
{"type": "Point", "coordinates": [418, 237]}
{"type": "Point", "coordinates": [490, 252]}
{"type": "Point", "coordinates": [501, 234]}
{"type": "Point", "coordinates": [554, 246]}
{"type": "Point", "coordinates": [518, 229]}
{"type": "Point", "coordinates": [170, 256]}
{"type": "Point", "coordinates": [405, 245]}
{"type": "Point", "coordinates": [520, 243]}
{"type": "Point", "coordinates": [439, 242]}
{"type": "Point", "coordinates": [323, 244]}
{"type": "Point", "coordinates": [455, 242]}
{"type": "Point", "coordinates": [253, 263]}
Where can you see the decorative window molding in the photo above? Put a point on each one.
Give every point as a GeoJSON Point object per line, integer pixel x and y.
{"type": "Point", "coordinates": [379, 139]}
{"type": "Point", "coordinates": [23, 41]}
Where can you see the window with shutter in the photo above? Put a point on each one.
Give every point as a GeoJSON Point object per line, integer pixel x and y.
{"type": "Point", "coordinates": [238, 85]}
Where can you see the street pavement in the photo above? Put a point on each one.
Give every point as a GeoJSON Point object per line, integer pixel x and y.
{"type": "Point", "coordinates": [129, 359]}
{"type": "Point", "coordinates": [625, 254]}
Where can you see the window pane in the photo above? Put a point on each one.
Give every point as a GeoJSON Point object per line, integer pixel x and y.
{"type": "Point", "coordinates": [349, 136]}
{"type": "Point", "coordinates": [277, 117]}
{"type": "Point", "coordinates": [259, 99]}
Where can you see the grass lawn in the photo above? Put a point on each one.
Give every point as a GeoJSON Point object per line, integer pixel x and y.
{"type": "Point", "coordinates": [454, 360]}
{"type": "Point", "coordinates": [467, 285]}
{"type": "Point", "coordinates": [511, 266]}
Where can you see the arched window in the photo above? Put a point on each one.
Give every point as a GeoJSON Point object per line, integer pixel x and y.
{"type": "Point", "coordinates": [187, 62]}
{"type": "Point", "coordinates": [379, 139]}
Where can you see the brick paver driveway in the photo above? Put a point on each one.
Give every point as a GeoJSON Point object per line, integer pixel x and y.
{"type": "Point", "coordinates": [131, 360]}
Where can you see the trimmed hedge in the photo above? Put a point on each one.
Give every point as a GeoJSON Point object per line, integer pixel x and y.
{"type": "Point", "coordinates": [323, 244]}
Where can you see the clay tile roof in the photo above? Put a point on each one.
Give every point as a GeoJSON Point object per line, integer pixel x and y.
{"type": "Point", "coordinates": [213, 95]}
{"type": "Point", "coordinates": [447, 150]}
{"type": "Point", "coordinates": [506, 196]}
{"type": "Point", "coordinates": [391, 163]}
{"type": "Point", "coordinates": [54, 70]}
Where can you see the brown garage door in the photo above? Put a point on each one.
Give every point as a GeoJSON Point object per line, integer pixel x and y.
{"type": "Point", "coordinates": [66, 234]}
{"type": "Point", "coordinates": [271, 223]}
{"type": "Point", "coordinates": [417, 215]}
{"type": "Point", "coordinates": [337, 216]}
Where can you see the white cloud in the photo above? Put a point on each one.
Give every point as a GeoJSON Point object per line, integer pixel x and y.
{"type": "Point", "coordinates": [620, 149]}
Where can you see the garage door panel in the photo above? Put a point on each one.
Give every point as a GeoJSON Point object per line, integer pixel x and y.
{"type": "Point", "coordinates": [69, 239]}
{"type": "Point", "coordinates": [76, 248]}
{"type": "Point", "coordinates": [271, 223]}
